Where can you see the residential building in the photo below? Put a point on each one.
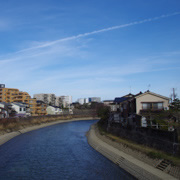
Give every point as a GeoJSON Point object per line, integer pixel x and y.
{"type": "Point", "coordinates": [65, 101]}
{"type": "Point", "coordinates": [108, 102]}
{"type": "Point", "coordinates": [133, 109]}
{"type": "Point", "coordinates": [10, 95]}
{"type": "Point", "coordinates": [82, 101]}
{"type": "Point", "coordinates": [19, 108]}
{"type": "Point", "coordinates": [49, 99]}
{"type": "Point", "coordinates": [41, 108]}
{"type": "Point", "coordinates": [3, 113]}
{"type": "Point", "coordinates": [6, 110]}
{"type": "Point", "coordinates": [151, 101]}
{"type": "Point", "coordinates": [59, 101]}
{"type": "Point", "coordinates": [94, 99]}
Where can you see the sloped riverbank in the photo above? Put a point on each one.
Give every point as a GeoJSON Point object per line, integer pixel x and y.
{"type": "Point", "coordinates": [7, 136]}
{"type": "Point", "coordinates": [131, 164]}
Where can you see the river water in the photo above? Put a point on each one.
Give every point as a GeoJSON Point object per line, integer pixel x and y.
{"type": "Point", "coordinates": [56, 152]}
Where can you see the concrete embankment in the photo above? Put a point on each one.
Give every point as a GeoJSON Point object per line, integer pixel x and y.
{"type": "Point", "coordinates": [137, 168]}
{"type": "Point", "coordinates": [6, 137]}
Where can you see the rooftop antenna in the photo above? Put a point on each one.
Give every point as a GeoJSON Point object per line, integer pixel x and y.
{"type": "Point", "coordinates": [149, 86]}
{"type": "Point", "coordinates": [130, 89]}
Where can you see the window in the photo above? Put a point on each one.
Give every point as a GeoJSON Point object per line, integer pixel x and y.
{"type": "Point", "coordinates": [24, 109]}
{"type": "Point", "coordinates": [152, 106]}
{"type": "Point", "coordinates": [160, 105]}
{"type": "Point", "coordinates": [20, 109]}
{"type": "Point", "coordinates": [146, 106]}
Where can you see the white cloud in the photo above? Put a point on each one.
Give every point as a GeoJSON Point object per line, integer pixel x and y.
{"type": "Point", "coordinates": [42, 66]}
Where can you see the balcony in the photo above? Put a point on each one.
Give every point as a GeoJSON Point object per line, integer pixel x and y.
{"type": "Point", "coordinates": [154, 111]}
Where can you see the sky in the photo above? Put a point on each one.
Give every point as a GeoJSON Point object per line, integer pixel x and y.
{"type": "Point", "coordinates": [90, 48]}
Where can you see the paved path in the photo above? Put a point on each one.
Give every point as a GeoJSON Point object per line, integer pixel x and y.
{"type": "Point", "coordinates": [132, 165]}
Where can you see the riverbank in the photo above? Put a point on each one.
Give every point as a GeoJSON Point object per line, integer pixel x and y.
{"type": "Point", "coordinates": [7, 136]}
{"type": "Point", "coordinates": [130, 163]}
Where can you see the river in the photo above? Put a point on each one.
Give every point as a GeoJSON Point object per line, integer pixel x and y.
{"type": "Point", "coordinates": [56, 152]}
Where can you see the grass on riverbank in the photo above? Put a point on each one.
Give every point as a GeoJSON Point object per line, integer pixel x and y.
{"type": "Point", "coordinates": [15, 124]}
{"type": "Point", "coordinates": [150, 152]}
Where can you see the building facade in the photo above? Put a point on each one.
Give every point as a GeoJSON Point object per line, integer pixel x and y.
{"type": "Point", "coordinates": [64, 101]}
{"type": "Point", "coordinates": [49, 99]}
{"type": "Point", "coordinates": [94, 99]}
{"type": "Point", "coordinates": [151, 101]}
{"type": "Point", "coordinates": [10, 95]}
{"type": "Point", "coordinates": [134, 109]}
{"type": "Point", "coordinates": [82, 101]}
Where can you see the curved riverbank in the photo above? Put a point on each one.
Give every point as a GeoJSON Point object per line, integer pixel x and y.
{"type": "Point", "coordinates": [56, 152]}
{"type": "Point", "coordinates": [6, 137]}
{"type": "Point", "coordinates": [132, 165]}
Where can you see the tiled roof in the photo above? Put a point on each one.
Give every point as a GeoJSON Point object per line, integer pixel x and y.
{"type": "Point", "coordinates": [120, 99]}
{"type": "Point", "coordinates": [19, 104]}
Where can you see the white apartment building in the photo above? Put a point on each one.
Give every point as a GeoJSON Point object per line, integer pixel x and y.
{"type": "Point", "coordinates": [94, 99]}
{"type": "Point", "coordinates": [64, 101]}
{"type": "Point", "coordinates": [82, 101]}
{"type": "Point", "coordinates": [46, 98]}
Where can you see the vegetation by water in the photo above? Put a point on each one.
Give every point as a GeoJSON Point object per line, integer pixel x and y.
{"type": "Point", "coordinates": [15, 124]}
{"type": "Point", "coordinates": [150, 152]}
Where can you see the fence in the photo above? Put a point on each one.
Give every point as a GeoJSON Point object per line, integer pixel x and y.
{"type": "Point", "coordinates": [159, 139]}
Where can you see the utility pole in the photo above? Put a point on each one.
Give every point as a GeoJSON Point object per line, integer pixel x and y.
{"type": "Point", "coordinates": [173, 95]}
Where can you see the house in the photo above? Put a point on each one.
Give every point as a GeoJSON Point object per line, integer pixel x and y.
{"type": "Point", "coordinates": [3, 113]}
{"type": "Point", "coordinates": [54, 110]}
{"type": "Point", "coordinates": [10, 95]}
{"type": "Point", "coordinates": [111, 104]}
{"type": "Point", "coordinates": [132, 109]}
{"type": "Point", "coordinates": [5, 110]}
{"type": "Point", "coordinates": [20, 109]}
{"type": "Point", "coordinates": [150, 101]}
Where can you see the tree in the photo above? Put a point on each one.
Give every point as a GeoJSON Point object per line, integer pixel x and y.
{"type": "Point", "coordinates": [175, 109]}
{"type": "Point", "coordinates": [175, 105]}
{"type": "Point", "coordinates": [103, 112]}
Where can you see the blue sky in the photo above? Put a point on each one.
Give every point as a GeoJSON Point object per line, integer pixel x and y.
{"type": "Point", "coordinates": [86, 48]}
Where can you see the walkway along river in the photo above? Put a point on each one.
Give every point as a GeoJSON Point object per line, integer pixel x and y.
{"type": "Point", "coordinates": [56, 152]}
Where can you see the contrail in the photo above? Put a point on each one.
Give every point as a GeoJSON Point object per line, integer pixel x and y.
{"type": "Point", "coordinates": [100, 31]}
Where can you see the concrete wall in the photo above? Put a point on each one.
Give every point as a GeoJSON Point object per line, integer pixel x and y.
{"type": "Point", "coordinates": [135, 167]}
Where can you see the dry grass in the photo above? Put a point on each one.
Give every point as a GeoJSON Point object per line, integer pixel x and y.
{"type": "Point", "coordinates": [14, 124]}
{"type": "Point", "coordinates": [1, 127]}
{"type": "Point", "coordinates": [152, 153]}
